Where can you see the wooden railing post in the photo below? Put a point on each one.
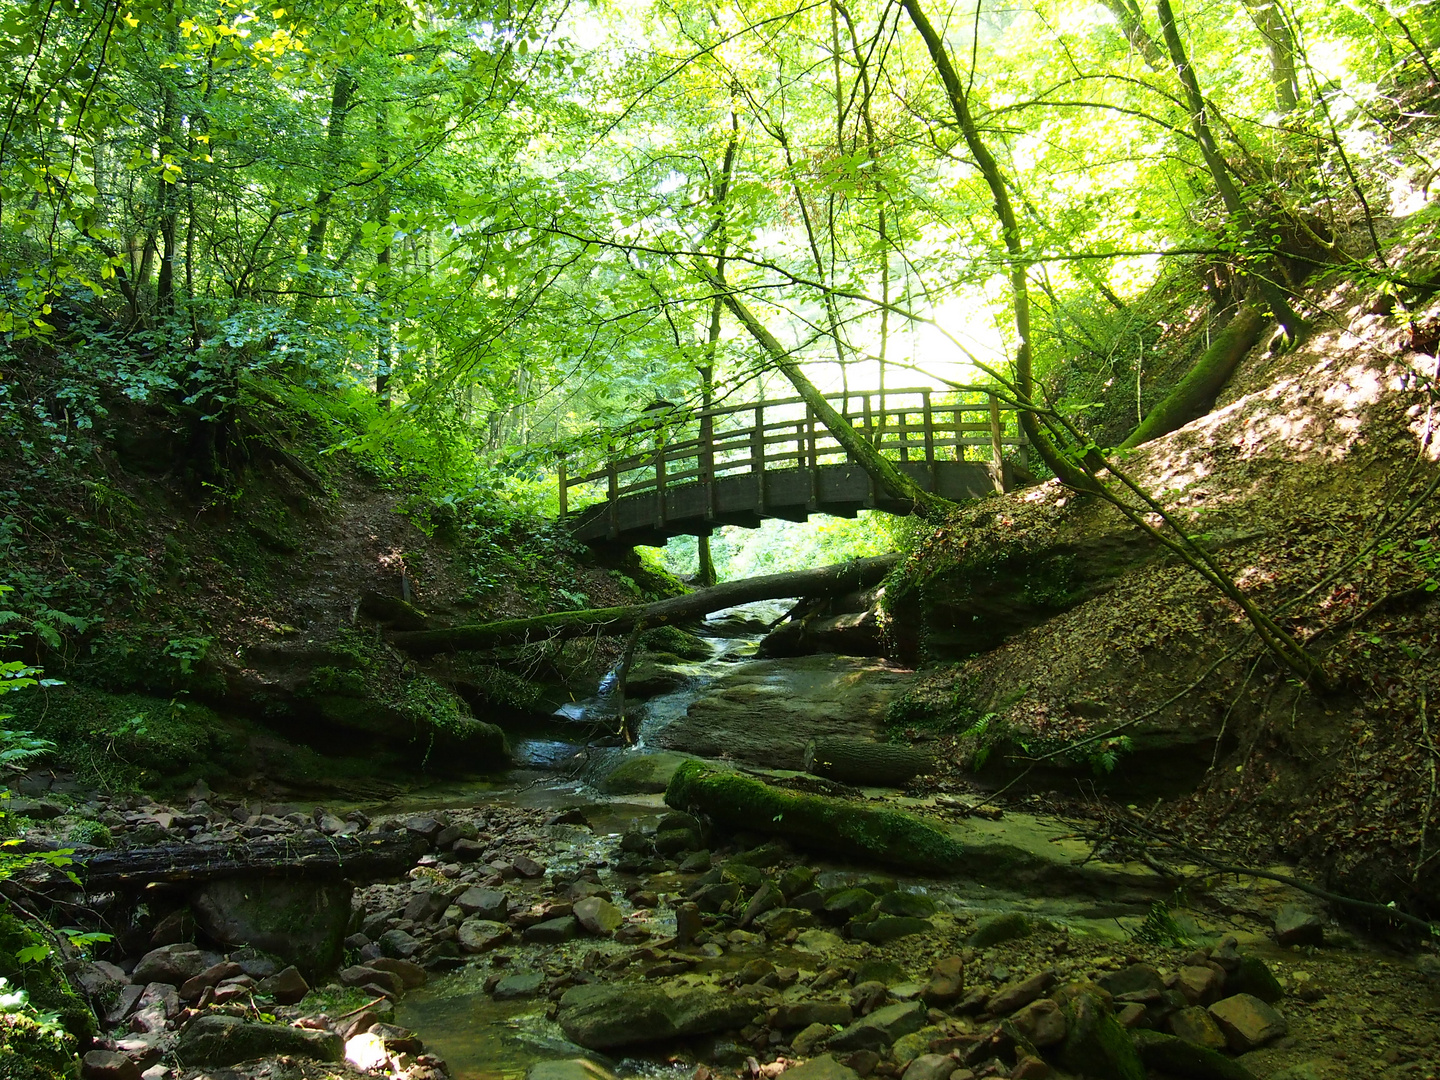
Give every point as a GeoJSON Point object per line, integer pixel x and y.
{"type": "Point", "coordinates": [564, 487]}
{"type": "Point", "coordinates": [929, 441]}
{"type": "Point", "coordinates": [660, 478]}
{"type": "Point", "coordinates": [612, 482]}
{"type": "Point", "coordinates": [997, 449]}
{"type": "Point", "coordinates": [707, 460]}
{"type": "Point", "coordinates": [757, 456]}
{"type": "Point", "coordinates": [814, 456]}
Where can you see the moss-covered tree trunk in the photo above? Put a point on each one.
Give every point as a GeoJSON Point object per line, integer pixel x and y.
{"type": "Point", "coordinates": [1194, 394]}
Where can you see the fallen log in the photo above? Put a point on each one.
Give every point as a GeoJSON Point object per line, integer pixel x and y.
{"type": "Point", "coordinates": [864, 763]}
{"type": "Point", "coordinates": [836, 579]}
{"type": "Point", "coordinates": [855, 829]}
{"type": "Point", "coordinates": [364, 858]}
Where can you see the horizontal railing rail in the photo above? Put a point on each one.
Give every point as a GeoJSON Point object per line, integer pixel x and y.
{"type": "Point", "coordinates": [679, 446]}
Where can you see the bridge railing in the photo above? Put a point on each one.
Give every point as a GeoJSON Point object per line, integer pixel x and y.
{"type": "Point", "coordinates": [683, 446]}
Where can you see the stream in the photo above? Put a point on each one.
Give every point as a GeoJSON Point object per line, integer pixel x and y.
{"type": "Point", "coordinates": [481, 1037]}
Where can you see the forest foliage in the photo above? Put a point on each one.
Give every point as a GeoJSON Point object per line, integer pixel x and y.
{"type": "Point", "coordinates": [505, 228]}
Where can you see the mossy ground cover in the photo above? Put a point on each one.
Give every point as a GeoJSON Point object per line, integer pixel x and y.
{"type": "Point", "coordinates": [130, 741]}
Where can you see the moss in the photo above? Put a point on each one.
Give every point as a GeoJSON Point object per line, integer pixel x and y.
{"type": "Point", "coordinates": [92, 833]}
{"type": "Point", "coordinates": [42, 980]}
{"type": "Point", "coordinates": [29, 1051]}
{"type": "Point", "coordinates": [679, 643]}
{"type": "Point", "coordinates": [739, 802]}
{"type": "Point", "coordinates": [1096, 1044]}
{"type": "Point", "coordinates": [128, 741]}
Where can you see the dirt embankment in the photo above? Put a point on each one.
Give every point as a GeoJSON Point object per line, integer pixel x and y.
{"type": "Point", "coordinates": [227, 624]}
{"type": "Point", "coordinates": [1053, 620]}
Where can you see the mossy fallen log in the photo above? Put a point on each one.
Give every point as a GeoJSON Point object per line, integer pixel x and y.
{"type": "Point", "coordinates": [739, 802]}
{"type": "Point", "coordinates": [837, 578]}
{"type": "Point", "coordinates": [865, 763]}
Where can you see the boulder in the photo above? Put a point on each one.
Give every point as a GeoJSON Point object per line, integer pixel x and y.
{"type": "Point", "coordinates": [1296, 926]}
{"type": "Point", "coordinates": [398, 944]}
{"type": "Point", "coordinates": [600, 1016]}
{"type": "Point", "coordinates": [107, 1065]}
{"type": "Point", "coordinates": [598, 916]}
{"type": "Point", "coordinates": [1177, 1057]}
{"type": "Point", "coordinates": [799, 1014]}
{"type": "Point", "coordinates": [882, 1027]}
{"type": "Point", "coordinates": [477, 935]}
{"type": "Point", "coordinates": [930, 1067]}
{"type": "Point", "coordinates": [1097, 1045]}
{"type": "Point", "coordinates": [824, 1067]}
{"type": "Point", "coordinates": [1253, 976]}
{"type": "Point", "coordinates": [997, 928]}
{"type": "Point", "coordinates": [1042, 1022]}
{"type": "Point", "coordinates": [1248, 1022]}
{"type": "Point", "coordinates": [573, 1069]}
{"type": "Point", "coordinates": [1200, 985]}
{"type": "Point", "coordinates": [1017, 995]}
{"type": "Point", "coordinates": [519, 984]}
{"type": "Point", "coordinates": [172, 964]}
{"type": "Point", "coordinates": [490, 904]}
{"type": "Point", "coordinates": [303, 922]}
{"type": "Point", "coordinates": [947, 982]}
{"type": "Point", "coordinates": [286, 987]}
{"type": "Point", "coordinates": [410, 973]}
{"type": "Point", "coordinates": [885, 928]}
{"type": "Point", "coordinates": [214, 1039]}
{"type": "Point", "coordinates": [553, 931]}
{"type": "Point", "coordinates": [1196, 1025]}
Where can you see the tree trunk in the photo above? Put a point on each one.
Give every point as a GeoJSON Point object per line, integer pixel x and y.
{"type": "Point", "coordinates": [1269, 278]}
{"type": "Point", "coordinates": [1280, 44]}
{"type": "Point", "coordinates": [1066, 470]}
{"type": "Point", "coordinates": [835, 579]}
{"type": "Point", "coordinates": [1194, 394]}
{"type": "Point", "coordinates": [861, 451]}
{"type": "Point", "coordinates": [868, 764]}
{"type": "Point", "coordinates": [1127, 15]}
{"type": "Point", "coordinates": [853, 829]}
{"type": "Point", "coordinates": [340, 104]}
{"type": "Point", "coordinates": [362, 859]}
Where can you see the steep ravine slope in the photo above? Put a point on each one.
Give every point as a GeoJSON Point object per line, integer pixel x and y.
{"type": "Point", "coordinates": [1050, 619]}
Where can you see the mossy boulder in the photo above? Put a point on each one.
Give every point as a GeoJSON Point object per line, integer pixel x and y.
{"type": "Point", "coordinates": [415, 710]}
{"type": "Point", "coordinates": [303, 922]}
{"type": "Point", "coordinates": [1097, 1045]}
{"type": "Point", "coordinates": [849, 828]}
{"type": "Point", "coordinates": [640, 774]}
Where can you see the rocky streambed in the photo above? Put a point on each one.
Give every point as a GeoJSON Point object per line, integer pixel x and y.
{"type": "Point", "coordinates": [624, 937]}
{"type": "Point", "coordinates": [574, 931]}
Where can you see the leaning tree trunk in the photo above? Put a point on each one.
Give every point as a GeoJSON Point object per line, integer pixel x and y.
{"type": "Point", "coordinates": [1194, 394]}
{"type": "Point", "coordinates": [838, 578]}
{"type": "Point", "coordinates": [1066, 470]}
{"type": "Point", "coordinates": [1267, 280]}
{"type": "Point", "coordinates": [926, 505]}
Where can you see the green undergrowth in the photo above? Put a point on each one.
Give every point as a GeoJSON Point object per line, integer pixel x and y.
{"type": "Point", "coordinates": [41, 1018]}
{"type": "Point", "coordinates": [124, 742]}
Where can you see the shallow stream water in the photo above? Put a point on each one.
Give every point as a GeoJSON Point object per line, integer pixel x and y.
{"type": "Point", "coordinates": [485, 1039]}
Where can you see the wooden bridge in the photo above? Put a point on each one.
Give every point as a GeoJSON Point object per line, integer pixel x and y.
{"type": "Point", "coordinates": [677, 471]}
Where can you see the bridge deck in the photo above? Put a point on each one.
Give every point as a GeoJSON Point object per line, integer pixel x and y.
{"type": "Point", "coordinates": [681, 471]}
